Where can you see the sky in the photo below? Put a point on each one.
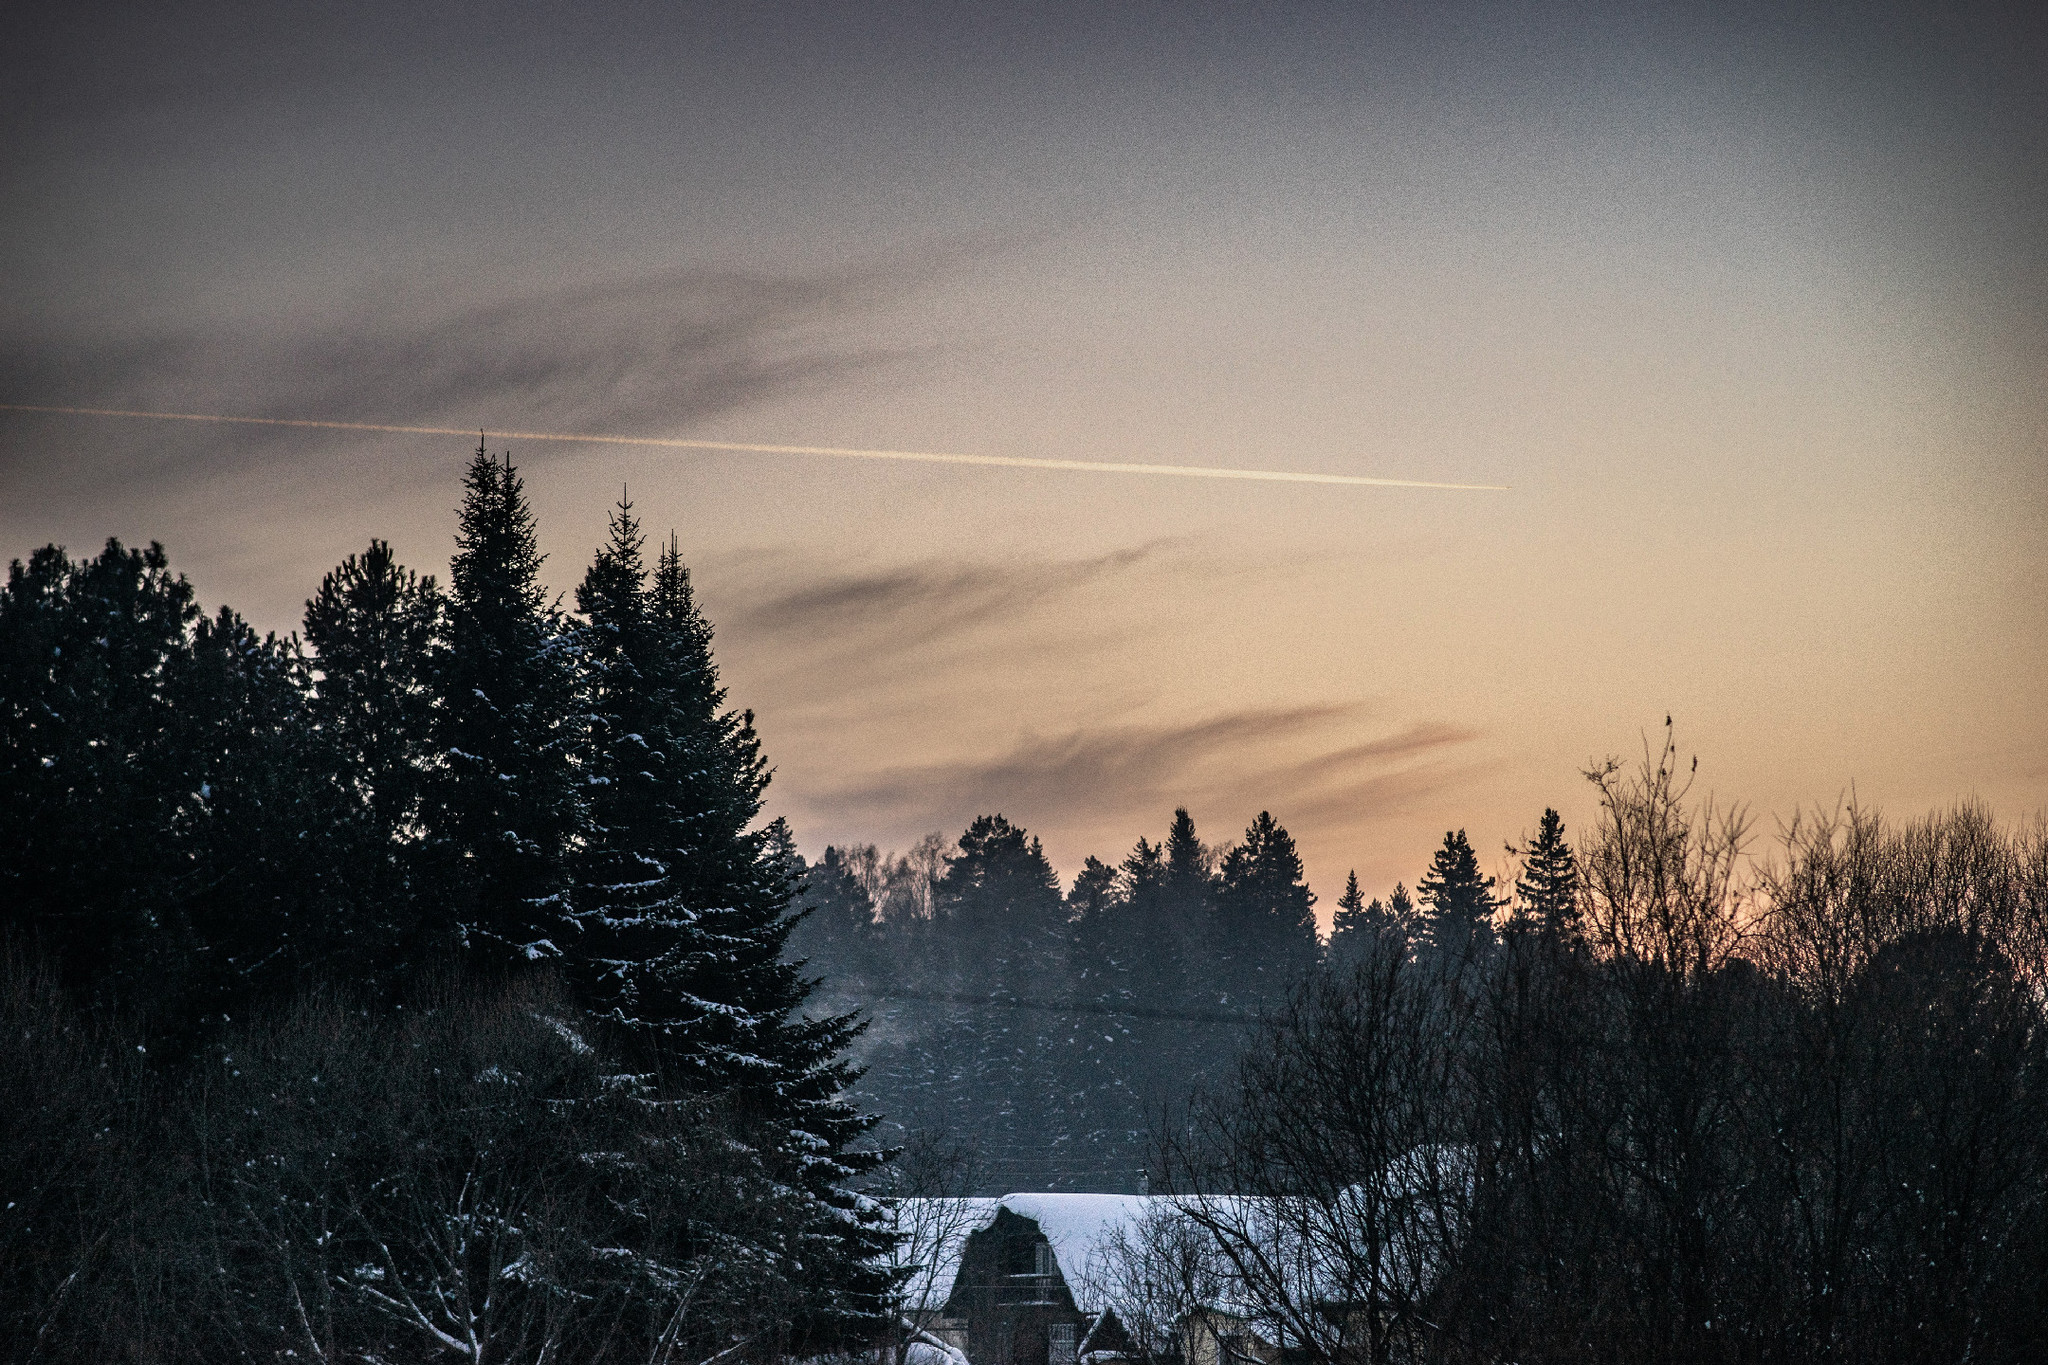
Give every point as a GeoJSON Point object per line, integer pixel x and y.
{"type": "Point", "coordinates": [1747, 307]}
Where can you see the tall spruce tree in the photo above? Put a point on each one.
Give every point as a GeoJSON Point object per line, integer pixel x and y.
{"type": "Point", "coordinates": [1186, 908]}
{"type": "Point", "coordinates": [1100, 960]}
{"type": "Point", "coordinates": [1003, 903]}
{"type": "Point", "coordinates": [1459, 925]}
{"type": "Point", "coordinates": [1547, 892]}
{"type": "Point", "coordinates": [506, 803]}
{"type": "Point", "coordinates": [1265, 914]}
{"type": "Point", "coordinates": [377, 630]}
{"type": "Point", "coordinates": [1190, 880]}
{"type": "Point", "coordinates": [683, 909]}
{"type": "Point", "coordinates": [1353, 925]}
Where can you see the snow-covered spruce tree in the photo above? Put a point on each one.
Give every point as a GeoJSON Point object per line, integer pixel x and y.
{"type": "Point", "coordinates": [505, 803]}
{"type": "Point", "coordinates": [684, 908]}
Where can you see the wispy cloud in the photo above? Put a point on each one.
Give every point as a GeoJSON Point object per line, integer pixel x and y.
{"type": "Point", "coordinates": [916, 603]}
{"type": "Point", "coordinates": [647, 352]}
{"type": "Point", "coordinates": [1253, 756]}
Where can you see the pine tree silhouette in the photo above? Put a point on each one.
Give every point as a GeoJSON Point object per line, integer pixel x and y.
{"type": "Point", "coordinates": [1265, 913]}
{"type": "Point", "coordinates": [1547, 892]}
{"type": "Point", "coordinates": [507, 800]}
{"type": "Point", "coordinates": [1461, 903]}
{"type": "Point", "coordinates": [377, 630]}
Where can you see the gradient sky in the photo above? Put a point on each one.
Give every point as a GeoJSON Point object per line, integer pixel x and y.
{"type": "Point", "coordinates": [1748, 307]}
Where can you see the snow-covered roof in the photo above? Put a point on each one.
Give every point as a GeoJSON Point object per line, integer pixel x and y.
{"type": "Point", "coordinates": [935, 1233]}
{"type": "Point", "coordinates": [1081, 1228]}
{"type": "Point", "coordinates": [1084, 1229]}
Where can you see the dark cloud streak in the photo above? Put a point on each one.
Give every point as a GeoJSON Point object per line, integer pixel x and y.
{"type": "Point", "coordinates": [1089, 773]}
{"type": "Point", "coordinates": [654, 352]}
{"type": "Point", "coordinates": [917, 603]}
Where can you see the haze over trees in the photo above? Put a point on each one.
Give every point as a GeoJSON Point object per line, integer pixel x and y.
{"type": "Point", "coordinates": [430, 986]}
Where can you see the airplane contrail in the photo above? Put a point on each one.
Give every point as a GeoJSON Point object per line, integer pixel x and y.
{"type": "Point", "coordinates": [1184, 471]}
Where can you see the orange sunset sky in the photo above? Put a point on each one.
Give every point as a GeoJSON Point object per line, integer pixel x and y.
{"type": "Point", "coordinates": [1747, 308]}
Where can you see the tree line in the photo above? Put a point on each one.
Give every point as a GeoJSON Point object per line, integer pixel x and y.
{"type": "Point", "coordinates": [1055, 1027]}
{"type": "Point", "coordinates": [1666, 1104]}
{"type": "Point", "coordinates": [413, 987]}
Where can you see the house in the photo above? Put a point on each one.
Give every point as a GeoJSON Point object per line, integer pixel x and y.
{"type": "Point", "coordinates": [1025, 1280]}
{"type": "Point", "coordinates": [1217, 1336]}
{"type": "Point", "coordinates": [1093, 1279]}
{"type": "Point", "coordinates": [1011, 1297]}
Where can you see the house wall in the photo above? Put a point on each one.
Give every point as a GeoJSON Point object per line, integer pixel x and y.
{"type": "Point", "coordinates": [1209, 1337]}
{"type": "Point", "coordinates": [1009, 1294]}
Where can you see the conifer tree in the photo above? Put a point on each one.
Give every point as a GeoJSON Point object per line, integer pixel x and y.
{"type": "Point", "coordinates": [1153, 943]}
{"type": "Point", "coordinates": [1001, 897]}
{"type": "Point", "coordinates": [1350, 905]}
{"type": "Point", "coordinates": [1189, 881]}
{"type": "Point", "coordinates": [838, 932]}
{"type": "Point", "coordinates": [257, 891]}
{"type": "Point", "coordinates": [155, 786]}
{"type": "Point", "coordinates": [1401, 910]}
{"type": "Point", "coordinates": [506, 802]}
{"type": "Point", "coordinates": [1096, 924]}
{"type": "Point", "coordinates": [1187, 913]}
{"type": "Point", "coordinates": [1265, 914]}
{"type": "Point", "coordinates": [1354, 926]}
{"type": "Point", "coordinates": [1547, 892]}
{"type": "Point", "coordinates": [89, 656]}
{"type": "Point", "coordinates": [377, 629]}
{"type": "Point", "coordinates": [683, 910]}
{"type": "Point", "coordinates": [1461, 903]}
{"type": "Point", "coordinates": [1368, 929]}
{"type": "Point", "coordinates": [1093, 891]}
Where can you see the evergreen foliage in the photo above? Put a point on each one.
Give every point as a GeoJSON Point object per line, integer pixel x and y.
{"type": "Point", "coordinates": [1547, 892]}
{"type": "Point", "coordinates": [92, 656]}
{"type": "Point", "coordinates": [506, 800]}
{"type": "Point", "coordinates": [1350, 905]}
{"type": "Point", "coordinates": [1459, 925]}
{"type": "Point", "coordinates": [1401, 913]}
{"type": "Point", "coordinates": [200, 820]}
{"type": "Point", "coordinates": [1352, 924]}
{"type": "Point", "coordinates": [683, 911]}
{"type": "Point", "coordinates": [1093, 892]}
{"type": "Point", "coordinates": [378, 632]}
{"type": "Point", "coordinates": [1001, 894]}
{"type": "Point", "coordinates": [377, 628]}
{"type": "Point", "coordinates": [165, 832]}
{"type": "Point", "coordinates": [1190, 879]}
{"type": "Point", "coordinates": [1265, 913]}
{"type": "Point", "coordinates": [254, 891]}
